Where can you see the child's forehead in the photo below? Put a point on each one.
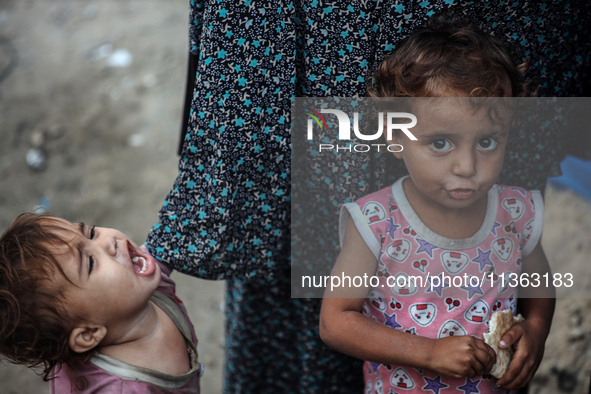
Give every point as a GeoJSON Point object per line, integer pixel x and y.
{"type": "Point", "coordinates": [66, 236]}
{"type": "Point", "coordinates": [62, 228]}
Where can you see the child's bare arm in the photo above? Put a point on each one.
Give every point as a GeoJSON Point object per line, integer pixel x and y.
{"type": "Point", "coordinates": [529, 337]}
{"type": "Point", "coordinates": [344, 328]}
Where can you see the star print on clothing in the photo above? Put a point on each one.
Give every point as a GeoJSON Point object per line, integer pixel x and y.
{"type": "Point", "coordinates": [494, 229]}
{"type": "Point", "coordinates": [374, 366]}
{"type": "Point", "coordinates": [434, 384]}
{"type": "Point", "coordinates": [470, 386]}
{"type": "Point", "coordinates": [391, 321]}
{"type": "Point", "coordinates": [483, 259]}
{"type": "Point", "coordinates": [425, 247]}
{"type": "Point", "coordinates": [438, 289]}
{"type": "Point", "coordinates": [472, 289]}
{"type": "Point", "coordinates": [391, 227]}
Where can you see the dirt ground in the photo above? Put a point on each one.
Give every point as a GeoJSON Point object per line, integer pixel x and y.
{"type": "Point", "coordinates": [109, 132]}
{"type": "Point", "coordinates": [97, 86]}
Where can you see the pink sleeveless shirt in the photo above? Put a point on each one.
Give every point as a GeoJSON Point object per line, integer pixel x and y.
{"type": "Point", "coordinates": [433, 286]}
{"type": "Point", "coordinates": [103, 374]}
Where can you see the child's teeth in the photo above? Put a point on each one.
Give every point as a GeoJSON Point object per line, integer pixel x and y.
{"type": "Point", "coordinates": [137, 259]}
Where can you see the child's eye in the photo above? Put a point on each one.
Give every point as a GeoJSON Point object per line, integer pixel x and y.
{"type": "Point", "coordinates": [487, 143]}
{"type": "Point", "coordinates": [92, 232]}
{"type": "Point", "coordinates": [440, 145]}
{"type": "Point", "coordinates": [90, 264]}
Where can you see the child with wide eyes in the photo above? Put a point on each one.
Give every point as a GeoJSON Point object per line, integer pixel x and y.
{"type": "Point", "coordinates": [96, 311]}
{"type": "Point", "coordinates": [447, 218]}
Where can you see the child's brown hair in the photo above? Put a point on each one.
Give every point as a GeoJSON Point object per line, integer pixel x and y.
{"type": "Point", "coordinates": [449, 57]}
{"type": "Point", "coordinates": [35, 326]}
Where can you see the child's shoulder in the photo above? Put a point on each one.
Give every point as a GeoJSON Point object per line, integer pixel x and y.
{"type": "Point", "coordinates": [512, 196]}
{"type": "Point", "coordinates": [106, 375]}
{"type": "Point", "coordinates": [515, 190]}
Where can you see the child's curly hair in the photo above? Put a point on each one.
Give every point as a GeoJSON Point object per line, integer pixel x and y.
{"type": "Point", "coordinates": [448, 57]}
{"type": "Point", "coordinates": [35, 326]}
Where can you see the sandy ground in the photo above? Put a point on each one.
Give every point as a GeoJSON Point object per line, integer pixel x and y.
{"type": "Point", "coordinates": [98, 87]}
{"type": "Point", "coordinates": [110, 133]}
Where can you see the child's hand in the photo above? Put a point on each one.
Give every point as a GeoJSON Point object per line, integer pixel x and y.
{"type": "Point", "coordinates": [529, 349]}
{"type": "Point", "coordinates": [462, 356]}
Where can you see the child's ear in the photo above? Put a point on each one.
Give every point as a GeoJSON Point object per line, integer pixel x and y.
{"type": "Point", "coordinates": [84, 338]}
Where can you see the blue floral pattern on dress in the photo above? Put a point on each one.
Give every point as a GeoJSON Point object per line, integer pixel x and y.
{"type": "Point", "coordinates": [227, 215]}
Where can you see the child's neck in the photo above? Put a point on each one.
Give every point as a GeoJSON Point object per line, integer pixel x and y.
{"type": "Point", "coordinates": [150, 340]}
{"type": "Point", "coordinates": [135, 328]}
{"type": "Point", "coordinates": [447, 222]}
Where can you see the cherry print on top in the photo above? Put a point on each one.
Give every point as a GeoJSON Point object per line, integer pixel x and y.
{"type": "Point", "coordinates": [413, 261]}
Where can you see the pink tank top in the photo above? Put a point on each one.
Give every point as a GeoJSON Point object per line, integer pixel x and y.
{"type": "Point", "coordinates": [434, 286]}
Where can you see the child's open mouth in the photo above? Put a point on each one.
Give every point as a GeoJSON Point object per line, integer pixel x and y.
{"type": "Point", "coordinates": [139, 262]}
{"type": "Point", "coordinates": [143, 265]}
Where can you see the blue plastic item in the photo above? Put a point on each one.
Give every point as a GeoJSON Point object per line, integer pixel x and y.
{"type": "Point", "coordinates": [576, 175]}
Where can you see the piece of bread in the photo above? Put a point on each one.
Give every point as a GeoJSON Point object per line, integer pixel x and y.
{"type": "Point", "coordinates": [500, 322]}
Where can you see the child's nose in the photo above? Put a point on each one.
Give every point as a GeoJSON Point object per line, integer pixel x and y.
{"type": "Point", "coordinates": [464, 163]}
{"type": "Point", "coordinates": [109, 244]}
